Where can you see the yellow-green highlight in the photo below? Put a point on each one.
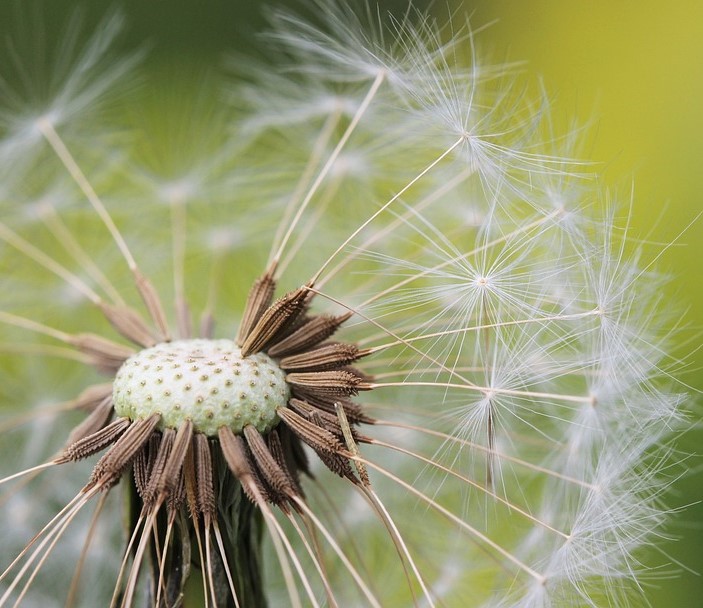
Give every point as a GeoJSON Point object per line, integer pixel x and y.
{"type": "Point", "coordinates": [634, 71]}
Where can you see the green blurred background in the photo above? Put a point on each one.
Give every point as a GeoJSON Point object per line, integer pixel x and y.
{"type": "Point", "coordinates": [635, 69]}
{"type": "Point", "coordinates": [632, 69]}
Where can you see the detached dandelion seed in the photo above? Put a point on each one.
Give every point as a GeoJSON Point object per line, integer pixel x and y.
{"type": "Point", "coordinates": [447, 385]}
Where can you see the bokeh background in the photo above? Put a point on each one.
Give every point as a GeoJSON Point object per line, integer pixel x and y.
{"type": "Point", "coordinates": [635, 70]}
{"type": "Point", "coordinates": [632, 70]}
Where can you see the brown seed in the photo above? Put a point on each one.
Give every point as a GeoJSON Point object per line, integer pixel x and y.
{"type": "Point", "coordinates": [92, 396]}
{"type": "Point", "coordinates": [324, 419]}
{"type": "Point", "coordinates": [107, 355]}
{"type": "Point", "coordinates": [324, 357]}
{"type": "Point", "coordinates": [129, 323]}
{"type": "Point", "coordinates": [98, 418]}
{"type": "Point", "coordinates": [258, 300]}
{"type": "Point", "coordinates": [158, 464]}
{"type": "Point", "coordinates": [275, 320]}
{"type": "Point", "coordinates": [144, 464]}
{"type": "Point", "coordinates": [275, 445]}
{"type": "Point", "coordinates": [268, 467]}
{"type": "Point", "coordinates": [153, 304]}
{"type": "Point", "coordinates": [205, 488]}
{"type": "Point", "coordinates": [312, 332]}
{"type": "Point", "coordinates": [109, 468]}
{"type": "Point", "coordinates": [236, 454]}
{"type": "Point", "coordinates": [353, 411]}
{"type": "Point", "coordinates": [343, 382]}
{"type": "Point", "coordinates": [317, 438]}
{"type": "Point", "coordinates": [174, 464]}
{"type": "Point", "coordinates": [87, 446]}
{"type": "Point", "coordinates": [177, 495]}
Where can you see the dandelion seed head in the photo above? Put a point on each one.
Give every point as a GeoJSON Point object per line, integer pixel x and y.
{"type": "Point", "coordinates": [450, 368]}
{"type": "Point", "coordinates": [205, 381]}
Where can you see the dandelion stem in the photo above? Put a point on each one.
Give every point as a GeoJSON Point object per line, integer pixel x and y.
{"type": "Point", "coordinates": [326, 197]}
{"type": "Point", "coordinates": [44, 350]}
{"type": "Point", "coordinates": [341, 524]}
{"type": "Point", "coordinates": [125, 559]}
{"type": "Point", "coordinates": [138, 556]}
{"type": "Point", "coordinates": [208, 558]}
{"type": "Point", "coordinates": [56, 537]}
{"type": "Point", "coordinates": [378, 506]}
{"type": "Point", "coordinates": [201, 556]}
{"type": "Point", "coordinates": [50, 410]}
{"type": "Point", "coordinates": [277, 539]}
{"type": "Point", "coordinates": [48, 531]}
{"type": "Point", "coordinates": [160, 585]}
{"type": "Point", "coordinates": [398, 541]}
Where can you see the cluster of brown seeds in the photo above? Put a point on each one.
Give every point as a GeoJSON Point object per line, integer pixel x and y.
{"type": "Point", "coordinates": [173, 464]}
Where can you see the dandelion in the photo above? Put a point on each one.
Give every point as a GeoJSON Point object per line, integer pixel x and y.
{"type": "Point", "coordinates": [447, 385]}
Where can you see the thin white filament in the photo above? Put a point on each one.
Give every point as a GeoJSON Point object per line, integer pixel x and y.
{"type": "Point", "coordinates": [460, 522]}
{"type": "Point", "coordinates": [330, 161]}
{"type": "Point", "coordinates": [335, 547]}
